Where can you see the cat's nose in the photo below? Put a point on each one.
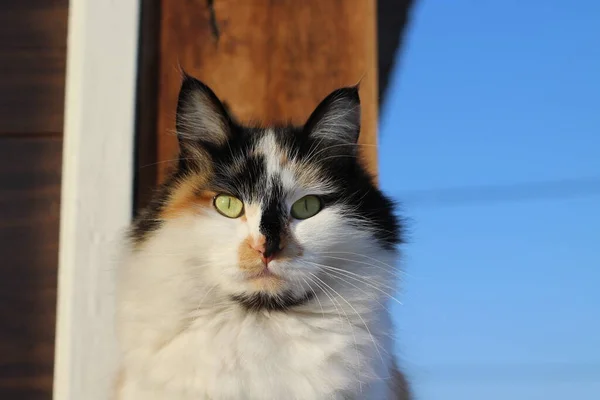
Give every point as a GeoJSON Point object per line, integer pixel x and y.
{"type": "Point", "coordinates": [268, 250]}
{"type": "Point", "coordinates": [266, 260]}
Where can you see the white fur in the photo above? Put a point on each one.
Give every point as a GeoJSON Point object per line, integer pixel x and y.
{"type": "Point", "coordinates": [200, 120]}
{"type": "Point", "coordinates": [340, 123]}
{"type": "Point", "coordinates": [183, 338]}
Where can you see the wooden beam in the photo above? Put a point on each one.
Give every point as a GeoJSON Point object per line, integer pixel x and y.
{"type": "Point", "coordinates": [271, 61]}
{"type": "Point", "coordinates": [146, 145]}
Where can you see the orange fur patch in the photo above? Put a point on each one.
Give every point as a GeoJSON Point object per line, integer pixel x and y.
{"type": "Point", "coordinates": [249, 259]}
{"type": "Point", "coordinates": [283, 159]}
{"type": "Point", "coordinates": [186, 197]}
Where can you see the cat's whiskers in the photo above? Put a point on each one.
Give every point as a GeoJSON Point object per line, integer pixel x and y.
{"type": "Point", "coordinates": [360, 278]}
{"type": "Point", "coordinates": [333, 301]}
{"type": "Point", "coordinates": [200, 303]}
{"type": "Point", "coordinates": [367, 294]}
{"type": "Point", "coordinates": [384, 267]}
{"type": "Point", "coordinates": [357, 314]}
{"type": "Point", "coordinates": [314, 293]}
{"type": "Point", "coordinates": [325, 253]}
{"type": "Point", "coordinates": [372, 279]}
{"type": "Point", "coordinates": [356, 254]}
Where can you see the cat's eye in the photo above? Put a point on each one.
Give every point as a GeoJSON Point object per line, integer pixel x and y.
{"type": "Point", "coordinates": [306, 207]}
{"type": "Point", "coordinates": [228, 206]}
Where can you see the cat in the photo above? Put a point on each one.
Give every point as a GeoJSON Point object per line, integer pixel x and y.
{"type": "Point", "coordinates": [262, 267]}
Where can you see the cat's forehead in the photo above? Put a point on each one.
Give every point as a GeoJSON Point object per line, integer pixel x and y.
{"type": "Point", "coordinates": [271, 163]}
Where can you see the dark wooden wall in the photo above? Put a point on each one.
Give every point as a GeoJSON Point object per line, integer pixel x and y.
{"type": "Point", "coordinates": [32, 78]}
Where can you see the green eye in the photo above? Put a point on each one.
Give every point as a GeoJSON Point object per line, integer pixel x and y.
{"type": "Point", "coordinates": [229, 206]}
{"type": "Point", "coordinates": [306, 207]}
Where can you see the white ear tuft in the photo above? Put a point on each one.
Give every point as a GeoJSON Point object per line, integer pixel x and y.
{"type": "Point", "coordinates": [337, 117]}
{"type": "Point", "coordinates": [201, 117]}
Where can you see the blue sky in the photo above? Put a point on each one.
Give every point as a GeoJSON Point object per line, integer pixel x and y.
{"type": "Point", "coordinates": [502, 299]}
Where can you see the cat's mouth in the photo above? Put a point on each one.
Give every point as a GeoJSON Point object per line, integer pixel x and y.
{"type": "Point", "coordinates": [265, 273]}
{"type": "Point", "coordinates": [267, 281]}
{"type": "Point", "coordinates": [268, 289]}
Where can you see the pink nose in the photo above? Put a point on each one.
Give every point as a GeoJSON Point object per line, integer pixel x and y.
{"type": "Point", "coordinates": [266, 260]}
{"type": "Point", "coordinates": [264, 256]}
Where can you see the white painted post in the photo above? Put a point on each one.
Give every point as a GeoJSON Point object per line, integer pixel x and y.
{"type": "Point", "coordinates": [97, 188]}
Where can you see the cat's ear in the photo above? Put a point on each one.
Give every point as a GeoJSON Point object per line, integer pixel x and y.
{"type": "Point", "coordinates": [201, 117]}
{"type": "Point", "coordinates": [337, 117]}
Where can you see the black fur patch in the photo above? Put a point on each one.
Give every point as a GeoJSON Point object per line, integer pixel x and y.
{"type": "Point", "coordinates": [148, 220]}
{"type": "Point", "coordinates": [265, 302]}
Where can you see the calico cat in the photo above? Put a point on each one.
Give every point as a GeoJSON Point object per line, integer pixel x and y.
{"type": "Point", "coordinates": [262, 267]}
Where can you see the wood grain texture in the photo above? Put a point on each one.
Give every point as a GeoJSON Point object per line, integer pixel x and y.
{"type": "Point", "coordinates": [32, 65]}
{"type": "Point", "coordinates": [30, 177]}
{"type": "Point", "coordinates": [271, 61]}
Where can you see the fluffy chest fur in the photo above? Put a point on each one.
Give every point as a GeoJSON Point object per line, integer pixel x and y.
{"type": "Point", "coordinates": [183, 338]}
{"type": "Point", "coordinates": [230, 354]}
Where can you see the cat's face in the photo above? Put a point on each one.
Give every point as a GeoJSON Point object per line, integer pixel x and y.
{"type": "Point", "coordinates": [264, 214]}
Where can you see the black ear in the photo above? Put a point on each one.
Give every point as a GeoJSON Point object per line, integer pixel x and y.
{"type": "Point", "coordinates": [337, 117]}
{"type": "Point", "coordinates": [201, 117]}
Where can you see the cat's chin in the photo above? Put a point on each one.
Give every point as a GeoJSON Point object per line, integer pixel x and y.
{"type": "Point", "coordinates": [269, 290]}
{"type": "Point", "coordinates": [264, 301]}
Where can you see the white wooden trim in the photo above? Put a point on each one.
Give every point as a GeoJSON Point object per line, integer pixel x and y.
{"type": "Point", "coordinates": [97, 187]}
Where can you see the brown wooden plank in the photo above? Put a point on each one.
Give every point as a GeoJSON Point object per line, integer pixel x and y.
{"type": "Point", "coordinates": [30, 171]}
{"type": "Point", "coordinates": [271, 61]}
{"type": "Point", "coordinates": [33, 36]}
{"type": "Point", "coordinates": [147, 103]}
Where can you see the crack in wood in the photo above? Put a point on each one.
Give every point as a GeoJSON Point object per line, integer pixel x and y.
{"type": "Point", "coordinates": [214, 25]}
